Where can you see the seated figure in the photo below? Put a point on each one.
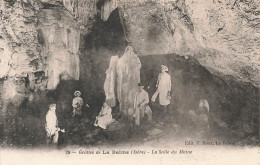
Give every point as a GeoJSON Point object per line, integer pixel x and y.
{"type": "Point", "coordinates": [105, 116]}
{"type": "Point", "coordinates": [141, 105]}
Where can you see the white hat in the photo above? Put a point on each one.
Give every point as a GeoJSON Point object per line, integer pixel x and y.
{"type": "Point", "coordinates": [165, 67]}
{"type": "Point", "coordinates": [77, 93]}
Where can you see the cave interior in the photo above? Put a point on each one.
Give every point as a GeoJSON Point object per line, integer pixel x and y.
{"type": "Point", "coordinates": [233, 104]}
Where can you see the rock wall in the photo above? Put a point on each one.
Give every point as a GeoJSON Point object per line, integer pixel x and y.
{"type": "Point", "coordinates": [19, 54]}
{"type": "Point", "coordinates": [83, 12]}
{"type": "Point", "coordinates": [222, 35]}
{"type": "Point", "coordinates": [209, 30]}
{"type": "Point", "coordinates": [87, 11]}
{"type": "Point", "coordinates": [60, 41]}
{"type": "Point", "coordinates": [19, 43]}
{"type": "Point", "coordinates": [150, 30]}
{"type": "Point", "coordinates": [230, 30]}
{"type": "Point", "coordinates": [39, 42]}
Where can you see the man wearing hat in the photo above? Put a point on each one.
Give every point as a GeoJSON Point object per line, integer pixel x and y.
{"type": "Point", "coordinates": [51, 126]}
{"type": "Point", "coordinates": [163, 88]}
{"type": "Point", "coordinates": [77, 104]}
{"type": "Point", "coordinates": [141, 105]}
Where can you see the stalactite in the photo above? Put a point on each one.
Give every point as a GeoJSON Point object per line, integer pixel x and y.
{"type": "Point", "coordinates": [72, 7]}
{"type": "Point", "coordinates": [123, 25]}
{"type": "Point", "coordinates": [107, 9]}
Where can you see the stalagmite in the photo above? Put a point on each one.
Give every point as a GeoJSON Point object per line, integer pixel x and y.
{"type": "Point", "coordinates": [128, 71]}
{"type": "Point", "coordinates": [110, 82]}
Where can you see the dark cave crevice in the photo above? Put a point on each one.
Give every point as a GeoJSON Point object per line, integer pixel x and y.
{"type": "Point", "coordinates": [105, 40]}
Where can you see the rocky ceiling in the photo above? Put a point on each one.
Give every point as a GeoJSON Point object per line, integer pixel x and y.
{"type": "Point", "coordinates": [223, 35]}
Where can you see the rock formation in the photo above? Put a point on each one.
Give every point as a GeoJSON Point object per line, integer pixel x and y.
{"type": "Point", "coordinates": [38, 48]}
{"type": "Point", "coordinates": [222, 35]}
{"type": "Point", "coordinates": [110, 82]}
{"type": "Point", "coordinates": [107, 9]}
{"type": "Point", "coordinates": [60, 35]}
{"type": "Point", "coordinates": [128, 77]}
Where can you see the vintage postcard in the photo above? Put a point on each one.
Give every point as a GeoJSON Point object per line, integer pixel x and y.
{"type": "Point", "coordinates": [129, 82]}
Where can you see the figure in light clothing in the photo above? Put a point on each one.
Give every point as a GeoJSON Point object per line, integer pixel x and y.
{"type": "Point", "coordinates": [141, 105]}
{"type": "Point", "coordinates": [204, 106]}
{"type": "Point", "coordinates": [203, 112]}
{"type": "Point", "coordinates": [105, 117]}
{"type": "Point", "coordinates": [77, 104]}
{"type": "Point", "coordinates": [51, 126]}
{"type": "Point", "coordinates": [163, 88]}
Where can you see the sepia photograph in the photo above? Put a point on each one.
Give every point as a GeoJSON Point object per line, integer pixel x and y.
{"type": "Point", "coordinates": [129, 82]}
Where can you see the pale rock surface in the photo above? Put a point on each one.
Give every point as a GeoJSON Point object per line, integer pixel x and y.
{"type": "Point", "coordinates": [128, 77]}
{"type": "Point", "coordinates": [61, 44]}
{"type": "Point", "coordinates": [37, 48]}
{"type": "Point", "coordinates": [222, 35]}
{"type": "Point", "coordinates": [110, 82]}
{"type": "Point", "coordinates": [107, 9]}
{"type": "Point", "coordinates": [230, 31]}
{"type": "Point", "coordinates": [19, 52]}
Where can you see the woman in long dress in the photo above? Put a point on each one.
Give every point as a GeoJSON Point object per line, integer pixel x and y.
{"type": "Point", "coordinates": [105, 117]}
{"type": "Point", "coordinates": [163, 88]}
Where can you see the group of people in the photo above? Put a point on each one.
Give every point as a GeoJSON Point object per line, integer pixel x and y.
{"type": "Point", "coordinates": [105, 115]}
{"type": "Point", "coordinates": [51, 126]}
{"type": "Point", "coordinates": [104, 118]}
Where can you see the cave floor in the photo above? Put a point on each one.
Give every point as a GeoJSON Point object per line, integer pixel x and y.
{"type": "Point", "coordinates": [166, 129]}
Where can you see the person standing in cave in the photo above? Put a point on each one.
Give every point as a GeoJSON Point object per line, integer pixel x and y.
{"type": "Point", "coordinates": [51, 126]}
{"type": "Point", "coordinates": [203, 112]}
{"type": "Point", "coordinates": [141, 105]}
{"type": "Point", "coordinates": [163, 88]}
{"type": "Point", "coordinates": [77, 104]}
